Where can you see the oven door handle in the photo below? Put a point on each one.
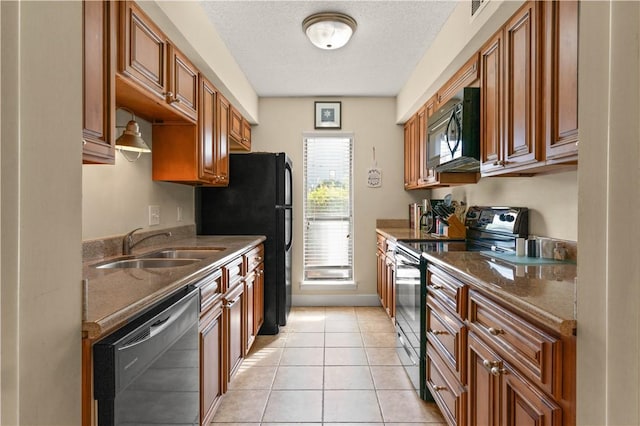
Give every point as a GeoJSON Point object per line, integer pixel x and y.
{"type": "Point", "coordinates": [404, 346]}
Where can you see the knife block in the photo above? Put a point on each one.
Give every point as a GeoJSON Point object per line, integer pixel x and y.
{"type": "Point", "coordinates": [456, 229]}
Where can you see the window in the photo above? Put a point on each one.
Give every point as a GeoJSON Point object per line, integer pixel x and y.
{"type": "Point", "coordinates": [328, 208]}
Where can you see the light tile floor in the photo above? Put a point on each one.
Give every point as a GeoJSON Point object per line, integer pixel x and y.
{"type": "Point", "coordinates": [329, 366]}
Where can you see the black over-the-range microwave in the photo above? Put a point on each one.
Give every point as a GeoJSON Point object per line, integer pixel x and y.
{"type": "Point", "coordinates": [453, 134]}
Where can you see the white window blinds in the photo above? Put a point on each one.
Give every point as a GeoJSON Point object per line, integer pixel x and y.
{"type": "Point", "coordinates": [328, 208]}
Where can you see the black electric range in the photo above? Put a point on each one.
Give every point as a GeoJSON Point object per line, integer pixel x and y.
{"type": "Point", "coordinates": [488, 228]}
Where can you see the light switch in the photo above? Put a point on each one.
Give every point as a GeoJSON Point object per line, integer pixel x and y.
{"type": "Point", "coordinates": [154, 215]}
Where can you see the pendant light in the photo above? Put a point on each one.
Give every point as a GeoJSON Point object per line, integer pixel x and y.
{"type": "Point", "coordinates": [131, 138]}
{"type": "Point", "coordinates": [329, 30]}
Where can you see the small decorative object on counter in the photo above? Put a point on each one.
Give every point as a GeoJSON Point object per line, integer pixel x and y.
{"type": "Point", "coordinates": [532, 247]}
{"type": "Point", "coordinates": [559, 252]}
{"type": "Point", "coordinates": [519, 246]}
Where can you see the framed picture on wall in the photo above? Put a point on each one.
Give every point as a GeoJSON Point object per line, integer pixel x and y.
{"type": "Point", "coordinates": [328, 115]}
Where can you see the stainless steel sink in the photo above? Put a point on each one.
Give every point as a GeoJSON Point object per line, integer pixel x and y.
{"type": "Point", "coordinates": [146, 263]}
{"type": "Point", "coordinates": [183, 253]}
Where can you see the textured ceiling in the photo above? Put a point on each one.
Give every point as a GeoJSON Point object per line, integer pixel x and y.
{"type": "Point", "coordinates": [267, 41]}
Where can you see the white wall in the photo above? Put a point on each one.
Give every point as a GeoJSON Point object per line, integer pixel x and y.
{"type": "Point", "coordinates": [115, 199]}
{"type": "Point", "coordinates": [608, 205]}
{"type": "Point", "coordinates": [41, 203]}
{"type": "Point", "coordinates": [551, 198]}
{"type": "Point", "coordinates": [283, 120]}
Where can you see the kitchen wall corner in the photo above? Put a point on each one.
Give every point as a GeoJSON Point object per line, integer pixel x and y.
{"type": "Point", "coordinates": [115, 199]}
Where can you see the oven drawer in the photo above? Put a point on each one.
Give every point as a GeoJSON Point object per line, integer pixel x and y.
{"type": "Point", "coordinates": [535, 353]}
{"type": "Point", "coordinates": [451, 292]}
{"type": "Point", "coordinates": [448, 393]}
{"type": "Point", "coordinates": [448, 335]}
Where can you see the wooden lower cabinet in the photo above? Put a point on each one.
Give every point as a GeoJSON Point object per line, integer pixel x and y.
{"type": "Point", "coordinates": [489, 365]}
{"type": "Point", "coordinates": [500, 395]}
{"type": "Point", "coordinates": [386, 274]}
{"type": "Point", "coordinates": [211, 346]}
{"type": "Point", "coordinates": [233, 311]}
{"type": "Point", "coordinates": [249, 325]}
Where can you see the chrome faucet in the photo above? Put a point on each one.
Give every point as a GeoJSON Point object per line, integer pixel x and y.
{"type": "Point", "coordinates": [128, 244]}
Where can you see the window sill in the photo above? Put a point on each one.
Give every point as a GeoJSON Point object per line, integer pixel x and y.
{"type": "Point", "coordinates": [328, 285]}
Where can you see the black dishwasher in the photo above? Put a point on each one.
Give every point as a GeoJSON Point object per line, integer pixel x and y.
{"type": "Point", "coordinates": [147, 372]}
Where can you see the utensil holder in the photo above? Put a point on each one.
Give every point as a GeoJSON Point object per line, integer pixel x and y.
{"type": "Point", "coordinates": [456, 229]}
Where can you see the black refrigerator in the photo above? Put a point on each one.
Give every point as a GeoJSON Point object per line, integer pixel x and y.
{"type": "Point", "coordinates": [258, 201]}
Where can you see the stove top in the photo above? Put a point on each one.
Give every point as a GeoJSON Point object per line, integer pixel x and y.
{"type": "Point", "coordinates": [488, 229]}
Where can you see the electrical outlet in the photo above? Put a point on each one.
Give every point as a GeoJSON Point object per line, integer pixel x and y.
{"type": "Point", "coordinates": [154, 215]}
{"type": "Point", "coordinates": [179, 214]}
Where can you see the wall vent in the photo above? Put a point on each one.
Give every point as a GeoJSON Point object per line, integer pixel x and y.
{"type": "Point", "coordinates": [475, 6]}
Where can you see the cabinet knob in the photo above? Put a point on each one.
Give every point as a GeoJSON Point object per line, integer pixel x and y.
{"type": "Point", "coordinates": [84, 142]}
{"type": "Point", "coordinates": [497, 371]}
{"type": "Point", "coordinates": [259, 259]}
{"type": "Point", "coordinates": [495, 331]}
{"type": "Point", "coordinates": [490, 364]}
{"type": "Point", "coordinates": [577, 143]}
{"type": "Point", "coordinates": [439, 332]}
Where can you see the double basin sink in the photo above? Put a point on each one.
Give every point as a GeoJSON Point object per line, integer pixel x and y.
{"type": "Point", "coordinates": [165, 258]}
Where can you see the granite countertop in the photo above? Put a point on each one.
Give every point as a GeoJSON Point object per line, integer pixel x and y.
{"type": "Point", "coordinates": [546, 293]}
{"type": "Point", "coordinates": [113, 296]}
{"type": "Point", "coordinates": [411, 234]}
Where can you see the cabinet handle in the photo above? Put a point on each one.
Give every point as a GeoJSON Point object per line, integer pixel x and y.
{"type": "Point", "coordinates": [84, 142]}
{"type": "Point", "coordinates": [439, 388]}
{"type": "Point", "coordinates": [500, 163]}
{"type": "Point", "coordinates": [232, 303]}
{"type": "Point", "coordinates": [438, 332]}
{"type": "Point", "coordinates": [495, 331]}
{"type": "Point", "coordinates": [259, 259]}
{"type": "Point", "coordinates": [490, 364]}
{"type": "Point", "coordinates": [497, 371]}
{"type": "Point", "coordinates": [577, 143]}
{"type": "Point", "coordinates": [170, 98]}
{"type": "Point", "coordinates": [435, 286]}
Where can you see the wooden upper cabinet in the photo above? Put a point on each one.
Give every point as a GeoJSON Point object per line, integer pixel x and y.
{"type": "Point", "coordinates": [154, 79]}
{"type": "Point", "coordinates": [207, 122]}
{"type": "Point", "coordinates": [491, 76]}
{"type": "Point", "coordinates": [510, 95]}
{"type": "Point", "coordinates": [561, 82]}
{"type": "Point", "coordinates": [239, 131]}
{"type": "Point", "coordinates": [522, 87]}
{"type": "Point", "coordinates": [464, 77]}
{"type": "Point", "coordinates": [99, 61]}
{"type": "Point", "coordinates": [410, 154]}
{"type": "Point", "coordinates": [183, 84]}
{"type": "Point", "coordinates": [222, 147]}
{"type": "Point", "coordinates": [143, 51]}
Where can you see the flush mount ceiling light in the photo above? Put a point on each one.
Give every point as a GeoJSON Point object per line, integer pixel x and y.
{"type": "Point", "coordinates": [329, 30]}
{"type": "Point", "coordinates": [131, 138]}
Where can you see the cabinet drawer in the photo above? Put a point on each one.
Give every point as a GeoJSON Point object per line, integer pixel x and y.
{"type": "Point", "coordinates": [253, 258]}
{"type": "Point", "coordinates": [210, 289]}
{"type": "Point", "coordinates": [448, 336]}
{"type": "Point", "coordinates": [448, 393]}
{"type": "Point", "coordinates": [535, 353]}
{"type": "Point", "coordinates": [447, 290]}
{"type": "Point", "coordinates": [232, 273]}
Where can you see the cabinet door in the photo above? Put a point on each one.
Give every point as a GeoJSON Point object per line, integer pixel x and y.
{"type": "Point", "coordinates": [390, 282]}
{"type": "Point", "coordinates": [484, 387]}
{"type": "Point", "coordinates": [210, 363]}
{"type": "Point", "coordinates": [258, 299]}
{"type": "Point", "coordinates": [491, 104]}
{"type": "Point", "coordinates": [222, 147]}
{"type": "Point", "coordinates": [249, 295]}
{"type": "Point", "coordinates": [465, 76]}
{"type": "Point", "coordinates": [235, 125]}
{"type": "Point", "coordinates": [142, 52]}
{"type": "Point", "coordinates": [561, 84]}
{"type": "Point", "coordinates": [183, 84]}
{"type": "Point", "coordinates": [427, 176]}
{"type": "Point", "coordinates": [98, 82]}
{"type": "Point", "coordinates": [246, 135]}
{"type": "Point", "coordinates": [521, 88]}
{"type": "Point", "coordinates": [410, 158]}
{"type": "Point", "coordinates": [233, 311]}
{"type": "Point", "coordinates": [207, 129]}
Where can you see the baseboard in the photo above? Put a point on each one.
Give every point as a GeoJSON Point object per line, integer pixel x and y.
{"type": "Point", "coordinates": [335, 300]}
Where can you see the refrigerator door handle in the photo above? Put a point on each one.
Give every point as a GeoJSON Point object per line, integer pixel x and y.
{"type": "Point", "coordinates": [290, 231]}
